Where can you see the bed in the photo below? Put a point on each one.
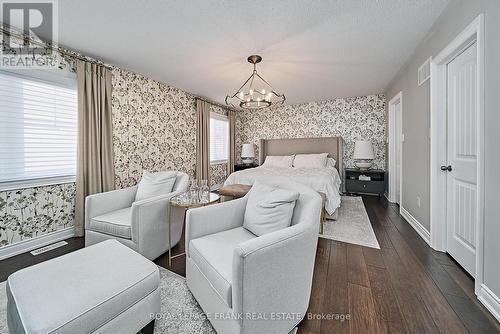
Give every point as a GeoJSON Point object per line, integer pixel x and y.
{"type": "Point", "coordinates": [327, 180]}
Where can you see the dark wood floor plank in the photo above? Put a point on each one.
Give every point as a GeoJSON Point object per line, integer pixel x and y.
{"type": "Point", "coordinates": [356, 266]}
{"type": "Point", "coordinates": [378, 228]}
{"type": "Point", "coordinates": [417, 318]}
{"type": "Point", "coordinates": [384, 298]}
{"type": "Point", "coordinates": [427, 257]}
{"type": "Point", "coordinates": [394, 327]}
{"type": "Point", "coordinates": [473, 306]}
{"type": "Point", "coordinates": [373, 257]}
{"type": "Point", "coordinates": [336, 298]}
{"type": "Point", "coordinates": [382, 238]}
{"type": "Point", "coordinates": [462, 279]}
{"type": "Point", "coordinates": [442, 313]}
{"type": "Point", "coordinates": [363, 316]}
{"type": "Point", "coordinates": [472, 316]}
{"type": "Point", "coordinates": [443, 258]}
{"type": "Point", "coordinates": [318, 287]}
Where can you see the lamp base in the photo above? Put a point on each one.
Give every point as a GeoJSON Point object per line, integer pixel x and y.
{"type": "Point", "coordinates": [247, 161]}
{"type": "Point", "coordinates": [363, 164]}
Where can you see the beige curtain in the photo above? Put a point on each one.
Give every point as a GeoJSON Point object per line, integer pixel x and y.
{"type": "Point", "coordinates": [95, 169]}
{"type": "Point", "coordinates": [202, 140]}
{"type": "Point", "coordinates": [231, 115]}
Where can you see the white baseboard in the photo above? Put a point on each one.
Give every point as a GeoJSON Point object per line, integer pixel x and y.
{"type": "Point", "coordinates": [490, 301]}
{"type": "Point", "coordinates": [421, 230]}
{"type": "Point", "coordinates": [36, 242]}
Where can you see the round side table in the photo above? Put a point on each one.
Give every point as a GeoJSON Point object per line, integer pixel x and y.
{"type": "Point", "coordinates": [184, 202]}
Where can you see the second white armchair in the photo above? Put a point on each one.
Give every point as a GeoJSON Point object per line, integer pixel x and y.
{"type": "Point", "coordinates": [252, 284]}
{"type": "Point", "coordinates": [141, 225]}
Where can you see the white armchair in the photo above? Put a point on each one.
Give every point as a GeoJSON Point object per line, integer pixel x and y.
{"type": "Point", "coordinates": [235, 275]}
{"type": "Point", "coordinates": [141, 225]}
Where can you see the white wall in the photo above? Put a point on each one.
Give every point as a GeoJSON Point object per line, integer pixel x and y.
{"type": "Point", "coordinates": [416, 122]}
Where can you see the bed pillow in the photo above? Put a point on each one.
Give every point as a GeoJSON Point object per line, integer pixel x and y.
{"type": "Point", "coordinates": [155, 184]}
{"type": "Point", "coordinates": [269, 208]}
{"type": "Point", "coordinates": [284, 161]}
{"type": "Point", "coordinates": [310, 160]}
{"type": "Point", "coordinates": [330, 162]}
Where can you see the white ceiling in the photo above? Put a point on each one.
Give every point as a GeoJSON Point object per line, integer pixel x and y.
{"type": "Point", "coordinates": [312, 50]}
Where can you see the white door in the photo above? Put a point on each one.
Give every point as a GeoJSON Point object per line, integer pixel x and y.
{"type": "Point", "coordinates": [397, 109]}
{"type": "Point", "coordinates": [395, 137]}
{"type": "Point", "coordinates": [461, 168]}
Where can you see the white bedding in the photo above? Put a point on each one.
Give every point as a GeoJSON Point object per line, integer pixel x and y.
{"type": "Point", "coordinates": [326, 180]}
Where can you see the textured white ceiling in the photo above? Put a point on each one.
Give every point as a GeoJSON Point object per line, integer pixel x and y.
{"type": "Point", "coordinates": [312, 50]}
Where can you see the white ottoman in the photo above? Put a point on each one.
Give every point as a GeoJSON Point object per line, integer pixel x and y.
{"type": "Point", "coordinates": [105, 288]}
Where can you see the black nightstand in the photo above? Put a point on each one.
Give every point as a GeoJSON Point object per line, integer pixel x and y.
{"type": "Point", "coordinates": [238, 167]}
{"type": "Point", "coordinates": [374, 186]}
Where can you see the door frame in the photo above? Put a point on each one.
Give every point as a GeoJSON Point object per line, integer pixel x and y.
{"type": "Point", "coordinates": [393, 127]}
{"type": "Point", "coordinates": [474, 32]}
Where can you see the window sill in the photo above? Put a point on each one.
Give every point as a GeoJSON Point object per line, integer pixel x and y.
{"type": "Point", "coordinates": [218, 162]}
{"type": "Point", "coordinates": [49, 181]}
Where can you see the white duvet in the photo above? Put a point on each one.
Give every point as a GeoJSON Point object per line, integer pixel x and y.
{"type": "Point", "coordinates": [326, 180]}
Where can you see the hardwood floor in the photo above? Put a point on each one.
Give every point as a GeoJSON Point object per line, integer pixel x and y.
{"type": "Point", "coordinates": [405, 287]}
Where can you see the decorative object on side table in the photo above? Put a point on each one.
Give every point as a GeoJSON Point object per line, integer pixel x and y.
{"type": "Point", "coordinates": [363, 154]}
{"type": "Point", "coordinates": [189, 200]}
{"type": "Point", "coordinates": [365, 181]}
{"type": "Point", "coordinates": [247, 154]}
{"type": "Point", "coordinates": [239, 167]}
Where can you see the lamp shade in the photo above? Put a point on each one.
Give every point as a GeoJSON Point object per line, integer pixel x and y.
{"type": "Point", "coordinates": [363, 150]}
{"type": "Point", "coordinates": [247, 151]}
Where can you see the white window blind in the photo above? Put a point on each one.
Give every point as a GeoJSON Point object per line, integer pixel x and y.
{"type": "Point", "coordinates": [219, 138]}
{"type": "Point", "coordinates": [38, 128]}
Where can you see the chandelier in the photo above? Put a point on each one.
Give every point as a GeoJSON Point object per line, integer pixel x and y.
{"type": "Point", "coordinates": [255, 93]}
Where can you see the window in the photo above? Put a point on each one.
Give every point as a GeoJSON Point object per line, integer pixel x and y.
{"type": "Point", "coordinates": [38, 128]}
{"type": "Point", "coordinates": [219, 138]}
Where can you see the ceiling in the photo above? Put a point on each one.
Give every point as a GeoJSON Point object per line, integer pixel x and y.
{"type": "Point", "coordinates": [312, 50]}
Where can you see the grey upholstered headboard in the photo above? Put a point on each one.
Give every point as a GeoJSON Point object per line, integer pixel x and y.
{"type": "Point", "coordinates": [288, 146]}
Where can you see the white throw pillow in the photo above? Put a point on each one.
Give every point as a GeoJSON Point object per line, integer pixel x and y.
{"type": "Point", "coordinates": [285, 161]}
{"type": "Point", "coordinates": [269, 208]}
{"type": "Point", "coordinates": [310, 160]}
{"type": "Point", "coordinates": [330, 162]}
{"type": "Point", "coordinates": [155, 184]}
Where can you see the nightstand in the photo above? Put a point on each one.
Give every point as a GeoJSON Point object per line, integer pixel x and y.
{"type": "Point", "coordinates": [238, 167]}
{"type": "Point", "coordinates": [370, 181]}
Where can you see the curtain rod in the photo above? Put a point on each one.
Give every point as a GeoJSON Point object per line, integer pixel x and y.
{"type": "Point", "coordinates": [55, 48]}
{"type": "Point", "coordinates": [215, 103]}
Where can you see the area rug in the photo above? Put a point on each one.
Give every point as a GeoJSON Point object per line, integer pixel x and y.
{"type": "Point", "coordinates": [180, 313]}
{"type": "Point", "coordinates": [352, 226]}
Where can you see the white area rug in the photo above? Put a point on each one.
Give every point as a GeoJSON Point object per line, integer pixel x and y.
{"type": "Point", "coordinates": [353, 225]}
{"type": "Point", "coordinates": [180, 313]}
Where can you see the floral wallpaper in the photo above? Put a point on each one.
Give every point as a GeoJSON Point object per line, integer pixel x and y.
{"type": "Point", "coordinates": [154, 127]}
{"type": "Point", "coordinates": [352, 118]}
{"type": "Point", "coordinates": [30, 212]}
{"type": "Point", "coordinates": [218, 174]}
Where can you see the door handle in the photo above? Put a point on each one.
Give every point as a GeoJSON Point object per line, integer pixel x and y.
{"type": "Point", "coordinates": [446, 168]}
